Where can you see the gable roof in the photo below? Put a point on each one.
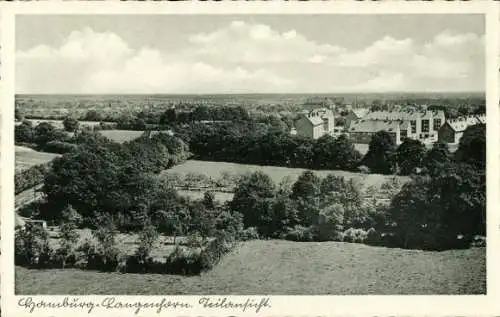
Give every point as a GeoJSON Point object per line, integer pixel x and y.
{"type": "Point", "coordinates": [360, 112]}
{"type": "Point", "coordinates": [374, 125]}
{"type": "Point", "coordinates": [460, 124]}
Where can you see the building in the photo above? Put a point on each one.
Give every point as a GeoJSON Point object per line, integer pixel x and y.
{"type": "Point", "coordinates": [355, 114]}
{"type": "Point", "coordinates": [424, 124]}
{"type": "Point", "coordinates": [316, 123]}
{"type": "Point", "coordinates": [452, 130]}
{"type": "Point", "coordinates": [361, 131]}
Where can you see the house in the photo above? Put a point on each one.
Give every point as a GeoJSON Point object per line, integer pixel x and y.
{"type": "Point", "coordinates": [361, 131]}
{"type": "Point", "coordinates": [452, 130]}
{"type": "Point", "coordinates": [316, 123]}
{"type": "Point", "coordinates": [355, 114]}
{"type": "Point", "coordinates": [424, 124]}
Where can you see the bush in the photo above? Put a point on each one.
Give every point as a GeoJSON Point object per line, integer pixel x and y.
{"type": "Point", "coordinates": [250, 233]}
{"type": "Point", "coordinates": [300, 234]}
{"type": "Point", "coordinates": [184, 261]}
{"type": "Point", "coordinates": [32, 247]}
{"type": "Point", "coordinates": [147, 239]}
{"type": "Point", "coordinates": [30, 177]}
{"type": "Point", "coordinates": [355, 235]}
{"type": "Point", "coordinates": [59, 147]}
{"type": "Point", "coordinates": [372, 237]}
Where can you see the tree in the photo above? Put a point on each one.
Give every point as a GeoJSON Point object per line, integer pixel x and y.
{"type": "Point", "coordinates": [32, 246]}
{"type": "Point", "coordinates": [168, 117]}
{"type": "Point", "coordinates": [24, 133]}
{"type": "Point", "coordinates": [253, 198]}
{"type": "Point", "coordinates": [410, 155]}
{"type": "Point", "coordinates": [472, 146]}
{"type": "Point", "coordinates": [307, 186]}
{"type": "Point", "coordinates": [93, 115]}
{"type": "Point", "coordinates": [437, 157]}
{"type": "Point", "coordinates": [380, 157]}
{"type": "Point", "coordinates": [70, 124]}
{"type": "Point", "coordinates": [46, 132]}
{"type": "Point", "coordinates": [69, 236]}
{"type": "Point", "coordinates": [209, 200]}
{"type": "Point", "coordinates": [147, 239]}
{"type": "Point", "coordinates": [431, 212]}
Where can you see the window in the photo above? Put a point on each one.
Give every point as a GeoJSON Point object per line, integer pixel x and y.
{"type": "Point", "coordinates": [425, 125]}
{"type": "Point", "coordinates": [413, 126]}
{"type": "Point", "coordinates": [404, 134]}
{"type": "Point", "coordinates": [437, 124]}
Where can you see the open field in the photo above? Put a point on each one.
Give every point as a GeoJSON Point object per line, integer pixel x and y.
{"type": "Point", "coordinates": [287, 268]}
{"type": "Point", "coordinates": [214, 170]}
{"type": "Point", "coordinates": [26, 157]}
{"type": "Point", "coordinates": [121, 136]}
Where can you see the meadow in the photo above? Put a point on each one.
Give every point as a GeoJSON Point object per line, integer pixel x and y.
{"type": "Point", "coordinates": [214, 170]}
{"type": "Point", "coordinates": [26, 157]}
{"type": "Point", "coordinates": [278, 267]}
{"type": "Point", "coordinates": [121, 136]}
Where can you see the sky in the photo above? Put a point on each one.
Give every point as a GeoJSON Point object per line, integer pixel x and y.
{"type": "Point", "coordinates": [203, 54]}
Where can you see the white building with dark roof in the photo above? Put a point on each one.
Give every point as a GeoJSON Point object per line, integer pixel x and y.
{"type": "Point", "coordinates": [361, 131]}
{"type": "Point", "coordinates": [355, 114]}
{"type": "Point", "coordinates": [453, 130]}
{"type": "Point", "coordinates": [424, 124]}
{"type": "Point", "coordinates": [316, 123]}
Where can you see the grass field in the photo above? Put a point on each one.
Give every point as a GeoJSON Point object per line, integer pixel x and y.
{"type": "Point", "coordinates": [121, 136]}
{"type": "Point", "coordinates": [26, 157]}
{"type": "Point", "coordinates": [214, 170]}
{"type": "Point", "coordinates": [287, 268]}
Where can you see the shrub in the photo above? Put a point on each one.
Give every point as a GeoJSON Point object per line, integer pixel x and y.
{"type": "Point", "coordinates": [250, 233]}
{"type": "Point", "coordinates": [32, 247]}
{"type": "Point", "coordinates": [184, 261]}
{"type": "Point", "coordinates": [147, 239]}
{"type": "Point", "coordinates": [355, 235]}
{"type": "Point", "coordinates": [30, 177]}
{"type": "Point", "coordinates": [59, 147]}
{"type": "Point", "coordinates": [300, 234]}
{"type": "Point", "coordinates": [372, 237]}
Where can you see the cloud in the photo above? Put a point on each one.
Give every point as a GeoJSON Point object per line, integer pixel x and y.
{"type": "Point", "coordinates": [250, 57]}
{"type": "Point", "coordinates": [258, 43]}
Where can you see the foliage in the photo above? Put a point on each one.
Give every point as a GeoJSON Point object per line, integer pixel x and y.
{"type": "Point", "coordinates": [70, 124]}
{"type": "Point", "coordinates": [32, 246]}
{"type": "Point", "coordinates": [437, 157]}
{"type": "Point", "coordinates": [253, 197]}
{"type": "Point", "coordinates": [30, 177]}
{"type": "Point", "coordinates": [472, 146]}
{"type": "Point", "coordinates": [409, 156]}
{"type": "Point", "coordinates": [432, 212]}
{"type": "Point", "coordinates": [147, 239]}
{"type": "Point", "coordinates": [380, 157]}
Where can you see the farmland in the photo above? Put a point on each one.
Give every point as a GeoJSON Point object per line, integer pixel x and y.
{"type": "Point", "coordinates": [26, 157]}
{"type": "Point", "coordinates": [286, 268]}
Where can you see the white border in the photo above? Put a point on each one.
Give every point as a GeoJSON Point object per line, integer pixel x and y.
{"type": "Point", "coordinates": [480, 305]}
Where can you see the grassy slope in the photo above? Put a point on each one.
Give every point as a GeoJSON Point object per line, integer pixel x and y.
{"type": "Point", "coordinates": [283, 267]}
{"type": "Point", "coordinates": [214, 170]}
{"type": "Point", "coordinates": [121, 136]}
{"type": "Point", "coordinates": [26, 158]}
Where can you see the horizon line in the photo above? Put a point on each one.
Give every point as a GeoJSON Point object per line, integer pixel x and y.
{"type": "Point", "coordinates": [258, 93]}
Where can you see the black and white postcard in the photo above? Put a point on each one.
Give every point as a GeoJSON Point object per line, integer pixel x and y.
{"type": "Point", "coordinates": [216, 160]}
